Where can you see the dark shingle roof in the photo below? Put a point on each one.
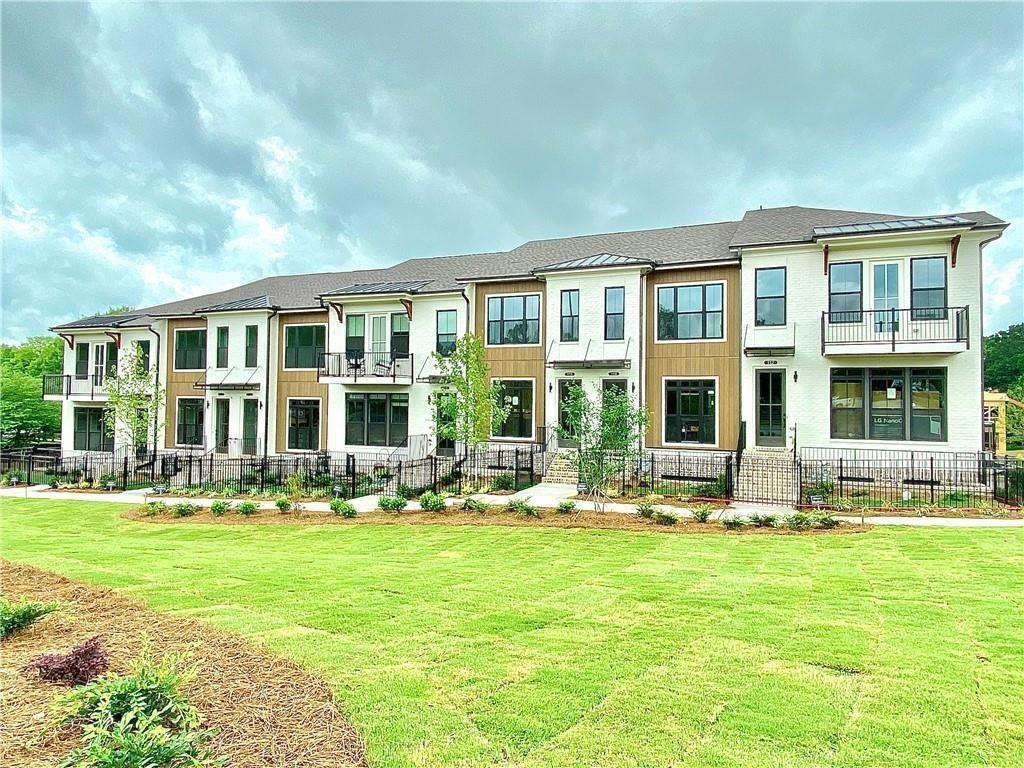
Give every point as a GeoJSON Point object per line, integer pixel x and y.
{"type": "Point", "coordinates": [597, 260]}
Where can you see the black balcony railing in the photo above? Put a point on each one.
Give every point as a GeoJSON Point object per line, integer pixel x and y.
{"type": "Point", "coordinates": [894, 327]}
{"type": "Point", "coordinates": [367, 365]}
{"type": "Point", "coordinates": [68, 386]}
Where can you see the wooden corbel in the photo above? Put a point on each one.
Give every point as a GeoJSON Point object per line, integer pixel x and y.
{"type": "Point", "coordinates": [116, 336]}
{"type": "Point", "coordinates": [953, 245]}
{"type": "Point", "coordinates": [68, 339]}
{"type": "Point", "coordinates": [407, 303]}
{"type": "Point", "coordinates": [824, 256]}
{"type": "Point", "coordinates": [338, 310]}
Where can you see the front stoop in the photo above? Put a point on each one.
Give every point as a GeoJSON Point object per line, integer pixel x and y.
{"type": "Point", "coordinates": [560, 470]}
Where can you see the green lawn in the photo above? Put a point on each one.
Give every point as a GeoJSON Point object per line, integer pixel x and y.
{"type": "Point", "coordinates": [476, 646]}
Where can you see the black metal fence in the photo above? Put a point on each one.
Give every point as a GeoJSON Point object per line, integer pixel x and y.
{"type": "Point", "coordinates": [700, 474]}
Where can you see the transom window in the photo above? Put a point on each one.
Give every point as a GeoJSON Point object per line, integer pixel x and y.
{"type": "Point", "coordinates": [690, 411]}
{"type": "Point", "coordinates": [845, 292]}
{"type": "Point", "coordinates": [446, 321]}
{"type": "Point", "coordinates": [770, 296]}
{"type": "Point", "coordinates": [513, 319]}
{"type": "Point", "coordinates": [614, 313]}
{"type": "Point", "coordinates": [900, 404]}
{"type": "Point", "coordinates": [690, 312]}
{"type": "Point", "coordinates": [375, 418]}
{"type": "Point", "coordinates": [189, 423]}
{"type": "Point", "coordinates": [190, 349]}
{"type": "Point", "coordinates": [518, 396]}
{"type": "Point", "coordinates": [928, 288]}
{"type": "Point", "coordinates": [304, 425]}
{"type": "Point", "coordinates": [303, 345]}
{"type": "Point", "coordinates": [570, 315]}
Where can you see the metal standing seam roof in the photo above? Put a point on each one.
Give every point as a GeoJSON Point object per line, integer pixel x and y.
{"type": "Point", "coordinates": [931, 222]}
{"type": "Point", "coordinates": [597, 260]}
{"type": "Point", "coordinates": [256, 302]}
{"type": "Point", "coordinates": [101, 321]}
{"type": "Point", "coordinates": [400, 286]}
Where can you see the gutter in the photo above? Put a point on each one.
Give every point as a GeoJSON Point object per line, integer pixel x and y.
{"type": "Point", "coordinates": [156, 445]}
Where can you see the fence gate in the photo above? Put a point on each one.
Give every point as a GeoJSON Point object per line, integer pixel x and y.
{"type": "Point", "coordinates": [768, 479]}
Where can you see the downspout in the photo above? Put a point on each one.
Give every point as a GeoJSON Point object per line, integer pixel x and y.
{"type": "Point", "coordinates": [643, 360]}
{"type": "Point", "coordinates": [267, 400]}
{"type": "Point", "coordinates": [156, 415]}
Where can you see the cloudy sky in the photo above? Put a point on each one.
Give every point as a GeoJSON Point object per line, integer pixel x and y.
{"type": "Point", "coordinates": [158, 151]}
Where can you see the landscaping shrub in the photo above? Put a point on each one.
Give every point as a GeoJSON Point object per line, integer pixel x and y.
{"type": "Point", "coordinates": [282, 503]}
{"type": "Point", "coordinates": [664, 517]}
{"type": "Point", "coordinates": [79, 665]}
{"type": "Point", "coordinates": [432, 502]}
{"type": "Point", "coordinates": [106, 480]}
{"type": "Point", "coordinates": [645, 508]}
{"type": "Point", "coordinates": [567, 507]}
{"type": "Point", "coordinates": [733, 523]}
{"type": "Point", "coordinates": [219, 507]}
{"type": "Point", "coordinates": [799, 521]}
{"type": "Point", "coordinates": [821, 488]}
{"type": "Point", "coordinates": [406, 491]}
{"type": "Point", "coordinates": [247, 508]}
{"type": "Point", "coordinates": [956, 499]}
{"type": "Point", "coordinates": [475, 505]}
{"type": "Point", "coordinates": [391, 503]}
{"type": "Point", "coordinates": [504, 482]}
{"type": "Point", "coordinates": [763, 521]}
{"type": "Point", "coordinates": [295, 484]}
{"type": "Point", "coordinates": [827, 521]}
{"type": "Point", "coordinates": [343, 508]}
{"type": "Point", "coordinates": [151, 508]}
{"type": "Point", "coordinates": [702, 512]}
{"type": "Point", "coordinates": [15, 617]}
{"type": "Point", "coordinates": [145, 746]}
{"type": "Point", "coordinates": [184, 509]}
{"type": "Point", "coordinates": [714, 490]}
{"type": "Point", "coordinates": [522, 507]}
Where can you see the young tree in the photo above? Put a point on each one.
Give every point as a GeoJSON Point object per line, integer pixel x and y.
{"type": "Point", "coordinates": [471, 404]}
{"type": "Point", "coordinates": [609, 430]}
{"type": "Point", "coordinates": [135, 402]}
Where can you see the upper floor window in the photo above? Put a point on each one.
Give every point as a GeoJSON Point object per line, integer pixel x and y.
{"type": "Point", "coordinates": [81, 360]}
{"type": "Point", "coordinates": [190, 349]}
{"type": "Point", "coordinates": [142, 354]}
{"type": "Point", "coordinates": [252, 334]}
{"type": "Point", "coordinates": [690, 312]}
{"type": "Point", "coordinates": [303, 345]}
{"type": "Point", "coordinates": [845, 292]}
{"type": "Point", "coordinates": [355, 336]}
{"type": "Point", "coordinates": [770, 296]}
{"type": "Point", "coordinates": [615, 313]}
{"type": "Point", "coordinates": [399, 335]}
{"type": "Point", "coordinates": [446, 320]}
{"type": "Point", "coordinates": [222, 346]}
{"type": "Point", "coordinates": [928, 288]}
{"type": "Point", "coordinates": [570, 330]}
{"type": "Point", "coordinates": [513, 319]}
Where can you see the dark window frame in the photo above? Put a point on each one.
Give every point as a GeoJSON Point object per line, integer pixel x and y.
{"type": "Point", "coordinates": [758, 297]}
{"type": "Point", "coordinates": [503, 325]}
{"type": "Point", "coordinates": [197, 427]}
{"type": "Point", "coordinates": [393, 402]}
{"type": "Point", "coordinates": [95, 437]}
{"type": "Point", "coordinates": [311, 429]}
{"type": "Point", "coordinates": [571, 333]}
{"type": "Point", "coordinates": [619, 316]}
{"type": "Point", "coordinates": [517, 415]}
{"type": "Point", "coordinates": [142, 352]}
{"type": "Point", "coordinates": [193, 357]}
{"type": "Point", "coordinates": [444, 343]}
{"type": "Point", "coordinates": [701, 388]}
{"type": "Point", "coordinates": [223, 340]}
{"type": "Point", "coordinates": [846, 315]}
{"type": "Point", "coordinates": [81, 361]}
{"type": "Point", "coordinates": [909, 378]}
{"type": "Point", "coordinates": [294, 353]}
{"type": "Point", "coordinates": [704, 312]}
{"type": "Point", "coordinates": [252, 341]}
{"type": "Point", "coordinates": [355, 350]}
{"type": "Point", "coordinates": [401, 349]}
{"type": "Point", "coordinates": [930, 312]}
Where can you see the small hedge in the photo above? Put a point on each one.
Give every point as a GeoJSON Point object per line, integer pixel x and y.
{"type": "Point", "coordinates": [219, 507]}
{"type": "Point", "coordinates": [343, 508]}
{"type": "Point", "coordinates": [431, 502]}
{"type": "Point", "coordinates": [14, 617]}
{"type": "Point", "coordinates": [76, 667]}
{"type": "Point", "coordinates": [247, 508]}
{"type": "Point", "coordinates": [391, 503]}
{"type": "Point", "coordinates": [522, 507]}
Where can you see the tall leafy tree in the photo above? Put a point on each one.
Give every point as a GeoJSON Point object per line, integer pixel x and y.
{"type": "Point", "coordinates": [1004, 357]}
{"type": "Point", "coordinates": [470, 404]}
{"type": "Point", "coordinates": [135, 401]}
{"type": "Point", "coordinates": [25, 418]}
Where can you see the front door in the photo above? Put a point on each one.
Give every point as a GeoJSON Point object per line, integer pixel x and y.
{"type": "Point", "coordinates": [99, 365]}
{"type": "Point", "coordinates": [565, 389]}
{"type": "Point", "coordinates": [250, 411]}
{"type": "Point", "coordinates": [771, 408]}
{"type": "Point", "coordinates": [885, 279]}
{"type": "Point", "coordinates": [222, 415]}
{"type": "Point", "coordinates": [445, 445]}
{"type": "Point", "coordinates": [378, 340]}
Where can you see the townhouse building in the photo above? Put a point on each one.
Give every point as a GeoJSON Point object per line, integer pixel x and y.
{"type": "Point", "coordinates": [790, 327]}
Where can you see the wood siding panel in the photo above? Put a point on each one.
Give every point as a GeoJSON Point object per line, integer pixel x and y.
{"type": "Point", "coordinates": [179, 383]}
{"type": "Point", "coordinates": [520, 362]}
{"type": "Point", "coordinates": [297, 383]}
{"type": "Point", "coordinates": [719, 359]}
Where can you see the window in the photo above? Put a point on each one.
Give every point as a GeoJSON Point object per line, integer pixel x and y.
{"type": "Point", "coordinates": [81, 360]}
{"type": "Point", "coordinates": [355, 337]}
{"type": "Point", "coordinates": [376, 419]}
{"type": "Point", "coordinates": [518, 396]}
{"type": "Point", "coordinates": [690, 411]}
{"type": "Point", "coordinates": [888, 413]}
{"type": "Point", "coordinates": [142, 354]}
{"type": "Point", "coordinates": [303, 345]}
{"type": "Point", "coordinates": [614, 314]}
{"type": "Point", "coordinates": [90, 430]}
{"type": "Point", "coordinates": [399, 335]}
{"type": "Point", "coordinates": [252, 335]}
{"type": "Point", "coordinates": [690, 312]}
{"type": "Point", "coordinates": [513, 319]}
{"type": "Point", "coordinates": [110, 367]}
{"type": "Point", "coordinates": [770, 296]}
{"type": "Point", "coordinates": [250, 414]}
{"type": "Point", "coordinates": [845, 292]}
{"type": "Point", "coordinates": [885, 279]}
{"type": "Point", "coordinates": [446, 319]}
{"type": "Point", "coordinates": [190, 421]}
{"type": "Point", "coordinates": [190, 349]}
{"type": "Point", "coordinates": [928, 288]}
{"type": "Point", "coordinates": [570, 330]}
{"type": "Point", "coordinates": [222, 346]}
{"type": "Point", "coordinates": [303, 425]}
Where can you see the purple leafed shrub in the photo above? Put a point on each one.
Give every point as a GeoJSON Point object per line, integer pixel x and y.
{"type": "Point", "coordinates": [79, 665]}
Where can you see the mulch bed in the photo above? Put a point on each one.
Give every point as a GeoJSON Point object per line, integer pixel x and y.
{"type": "Point", "coordinates": [549, 518]}
{"type": "Point", "coordinates": [268, 711]}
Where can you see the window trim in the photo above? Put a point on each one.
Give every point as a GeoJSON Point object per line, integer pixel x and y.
{"type": "Point", "coordinates": [562, 317]}
{"type": "Point", "coordinates": [284, 346]}
{"type": "Point", "coordinates": [437, 330]}
{"type": "Point", "coordinates": [174, 349]}
{"type": "Point", "coordinates": [703, 340]}
{"type": "Point", "coordinates": [288, 418]}
{"type": "Point", "coordinates": [945, 291]}
{"type": "Point", "coordinates": [177, 421]}
{"type": "Point", "coordinates": [533, 409]}
{"type": "Point", "coordinates": [860, 292]}
{"type": "Point", "coordinates": [622, 314]}
{"type": "Point", "coordinates": [664, 411]}
{"type": "Point", "coordinates": [785, 302]}
{"type": "Point", "coordinates": [540, 318]}
{"type": "Point", "coordinates": [226, 348]}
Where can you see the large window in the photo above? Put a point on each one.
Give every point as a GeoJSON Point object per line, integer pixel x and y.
{"type": "Point", "coordinates": [570, 330]}
{"type": "Point", "coordinates": [304, 425]}
{"type": "Point", "coordinates": [513, 319]}
{"type": "Point", "coordinates": [222, 346]}
{"type": "Point", "coordinates": [399, 335]}
{"type": "Point", "coordinates": [928, 288]}
{"type": "Point", "coordinates": [190, 349]}
{"type": "Point", "coordinates": [770, 296]}
{"type": "Point", "coordinates": [81, 360]}
{"type": "Point", "coordinates": [355, 336]}
{"type": "Point", "coordinates": [303, 345]}
{"type": "Point", "coordinates": [446, 320]}
{"type": "Point", "coordinates": [376, 419]}
{"type": "Point", "coordinates": [690, 411]}
{"type": "Point", "coordinates": [190, 421]}
{"type": "Point", "coordinates": [845, 292]}
{"type": "Point", "coordinates": [252, 335]}
{"type": "Point", "coordinates": [690, 312]}
{"type": "Point", "coordinates": [901, 404]}
{"type": "Point", "coordinates": [91, 430]}
{"type": "Point", "coordinates": [518, 396]}
{"type": "Point", "coordinates": [614, 313]}
{"type": "Point", "coordinates": [142, 354]}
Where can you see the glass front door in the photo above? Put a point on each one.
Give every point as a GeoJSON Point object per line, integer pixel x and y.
{"type": "Point", "coordinates": [886, 280]}
{"type": "Point", "coordinates": [771, 408]}
{"type": "Point", "coordinates": [99, 365]}
{"type": "Point", "coordinates": [222, 416]}
{"type": "Point", "coordinates": [250, 410]}
{"type": "Point", "coordinates": [565, 389]}
{"type": "Point", "coordinates": [378, 337]}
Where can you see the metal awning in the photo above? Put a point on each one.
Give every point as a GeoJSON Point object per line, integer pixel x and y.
{"type": "Point", "coordinates": [233, 379]}
{"type": "Point", "coordinates": [769, 351]}
{"type": "Point", "coordinates": [616, 363]}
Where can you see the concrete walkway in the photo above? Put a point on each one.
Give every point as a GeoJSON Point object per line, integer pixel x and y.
{"type": "Point", "coordinates": [542, 495]}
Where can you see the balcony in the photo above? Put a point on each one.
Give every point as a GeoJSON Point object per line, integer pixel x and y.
{"type": "Point", "coordinates": [366, 368]}
{"type": "Point", "coordinates": [932, 330]}
{"type": "Point", "coordinates": [589, 354]}
{"type": "Point", "coordinates": [62, 386]}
